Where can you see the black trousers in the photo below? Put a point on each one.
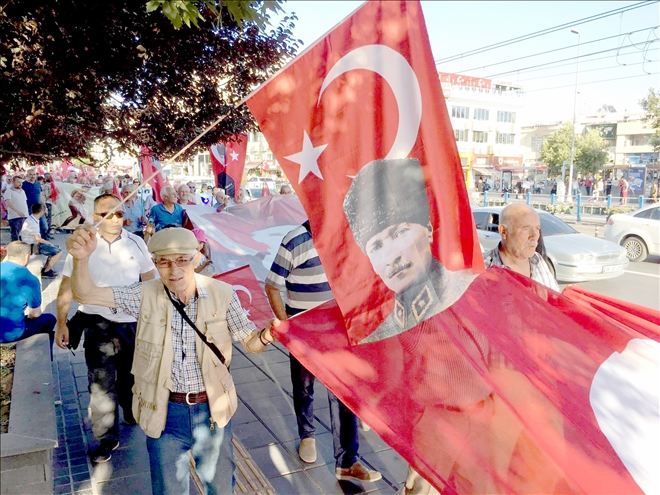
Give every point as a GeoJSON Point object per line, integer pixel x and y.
{"type": "Point", "coordinates": [109, 348]}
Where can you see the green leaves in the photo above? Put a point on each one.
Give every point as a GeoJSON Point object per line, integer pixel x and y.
{"type": "Point", "coordinates": [590, 151]}
{"type": "Point", "coordinates": [78, 75]}
{"type": "Point", "coordinates": [651, 105]}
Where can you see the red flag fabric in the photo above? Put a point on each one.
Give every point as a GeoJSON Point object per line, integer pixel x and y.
{"type": "Point", "coordinates": [54, 190]}
{"type": "Point", "coordinates": [484, 382]}
{"type": "Point", "coordinates": [249, 292]}
{"type": "Point", "coordinates": [265, 191]}
{"type": "Point", "coordinates": [66, 167]}
{"type": "Point", "coordinates": [148, 166]}
{"type": "Point", "coordinates": [367, 92]}
{"type": "Point", "coordinates": [558, 405]}
{"type": "Point", "coordinates": [115, 189]}
{"type": "Point", "coordinates": [249, 233]}
{"type": "Point", "coordinates": [228, 163]}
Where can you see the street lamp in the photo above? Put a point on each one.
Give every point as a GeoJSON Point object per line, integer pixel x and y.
{"type": "Point", "coordinates": [577, 72]}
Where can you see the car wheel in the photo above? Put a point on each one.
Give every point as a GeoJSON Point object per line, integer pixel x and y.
{"type": "Point", "coordinates": [635, 248]}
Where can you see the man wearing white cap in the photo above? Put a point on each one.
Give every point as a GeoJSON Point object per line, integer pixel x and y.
{"type": "Point", "coordinates": [184, 395]}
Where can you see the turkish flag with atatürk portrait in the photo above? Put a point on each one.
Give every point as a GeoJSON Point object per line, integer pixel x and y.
{"type": "Point", "coordinates": [369, 91]}
{"type": "Point", "coordinates": [485, 382]}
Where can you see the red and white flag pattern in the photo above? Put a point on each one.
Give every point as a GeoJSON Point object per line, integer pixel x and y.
{"type": "Point", "coordinates": [149, 165]}
{"type": "Point", "coordinates": [228, 164]}
{"type": "Point", "coordinates": [500, 391]}
{"type": "Point", "coordinates": [249, 292]}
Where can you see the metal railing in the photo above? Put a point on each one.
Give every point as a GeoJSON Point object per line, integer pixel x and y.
{"type": "Point", "coordinates": [582, 204]}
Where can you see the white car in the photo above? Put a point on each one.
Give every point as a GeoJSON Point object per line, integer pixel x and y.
{"type": "Point", "coordinates": [637, 231]}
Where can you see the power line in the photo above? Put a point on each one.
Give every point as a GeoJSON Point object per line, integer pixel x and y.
{"type": "Point", "coordinates": [555, 50]}
{"type": "Point", "coordinates": [565, 59]}
{"type": "Point", "coordinates": [572, 73]}
{"type": "Point", "coordinates": [545, 31]}
{"type": "Point", "coordinates": [585, 61]}
{"type": "Point", "coordinates": [592, 82]}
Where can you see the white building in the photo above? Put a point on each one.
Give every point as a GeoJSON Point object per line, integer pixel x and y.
{"type": "Point", "coordinates": [484, 116]}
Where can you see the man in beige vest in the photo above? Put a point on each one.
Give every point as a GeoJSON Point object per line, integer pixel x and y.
{"type": "Point", "coordinates": [184, 395]}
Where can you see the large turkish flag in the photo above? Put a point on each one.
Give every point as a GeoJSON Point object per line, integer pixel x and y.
{"type": "Point", "coordinates": [367, 91]}
{"type": "Point", "coordinates": [228, 163]}
{"type": "Point", "coordinates": [151, 171]}
{"type": "Point", "coordinates": [506, 387]}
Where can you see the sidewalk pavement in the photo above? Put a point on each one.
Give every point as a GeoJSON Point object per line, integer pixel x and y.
{"type": "Point", "coordinates": [265, 425]}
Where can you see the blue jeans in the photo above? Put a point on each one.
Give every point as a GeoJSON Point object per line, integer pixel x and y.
{"type": "Point", "coordinates": [344, 423]}
{"type": "Point", "coordinates": [188, 429]}
{"type": "Point", "coordinates": [15, 225]}
{"type": "Point", "coordinates": [49, 250]}
{"type": "Point", "coordinates": [44, 323]}
{"type": "Point", "coordinates": [43, 226]}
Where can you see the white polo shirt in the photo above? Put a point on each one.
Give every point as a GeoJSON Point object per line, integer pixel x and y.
{"type": "Point", "coordinates": [29, 230]}
{"type": "Point", "coordinates": [119, 263]}
{"type": "Point", "coordinates": [18, 199]}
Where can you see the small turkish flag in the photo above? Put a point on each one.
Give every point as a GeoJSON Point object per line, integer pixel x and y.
{"type": "Point", "coordinates": [149, 165]}
{"type": "Point", "coordinates": [228, 163]}
{"type": "Point", "coordinates": [249, 292]}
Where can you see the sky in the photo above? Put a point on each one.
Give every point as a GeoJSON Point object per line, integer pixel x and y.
{"type": "Point", "coordinates": [617, 77]}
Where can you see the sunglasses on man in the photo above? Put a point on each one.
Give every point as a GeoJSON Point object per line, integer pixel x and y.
{"type": "Point", "coordinates": [111, 215]}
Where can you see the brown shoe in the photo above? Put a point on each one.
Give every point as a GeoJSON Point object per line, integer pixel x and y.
{"type": "Point", "coordinates": [357, 472]}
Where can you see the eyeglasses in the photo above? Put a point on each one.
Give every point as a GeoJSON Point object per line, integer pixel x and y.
{"type": "Point", "coordinates": [180, 262]}
{"type": "Point", "coordinates": [118, 214]}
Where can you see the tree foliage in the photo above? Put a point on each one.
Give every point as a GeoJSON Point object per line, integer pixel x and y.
{"type": "Point", "coordinates": [190, 12]}
{"type": "Point", "coordinates": [590, 151]}
{"type": "Point", "coordinates": [651, 105]}
{"type": "Point", "coordinates": [76, 73]}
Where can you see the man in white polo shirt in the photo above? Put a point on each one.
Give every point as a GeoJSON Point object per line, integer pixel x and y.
{"type": "Point", "coordinates": [121, 258]}
{"type": "Point", "coordinates": [31, 234]}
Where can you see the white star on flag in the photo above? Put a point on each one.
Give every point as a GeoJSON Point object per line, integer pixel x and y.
{"type": "Point", "coordinates": [234, 155]}
{"type": "Point", "coordinates": [308, 158]}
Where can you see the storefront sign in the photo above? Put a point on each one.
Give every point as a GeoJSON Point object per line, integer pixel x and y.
{"type": "Point", "coordinates": [502, 162]}
{"type": "Point", "coordinates": [461, 80]}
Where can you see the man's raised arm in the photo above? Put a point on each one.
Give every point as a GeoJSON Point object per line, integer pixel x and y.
{"type": "Point", "coordinates": [80, 245]}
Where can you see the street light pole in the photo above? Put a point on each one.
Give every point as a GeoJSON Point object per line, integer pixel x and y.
{"type": "Point", "coordinates": [577, 72]}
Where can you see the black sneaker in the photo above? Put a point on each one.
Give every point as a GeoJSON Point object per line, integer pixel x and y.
{"type": "Point", "coordinates": [49, 274]}
{"type": "Point", "coordinates": [129, 420]}
{"type": "Point", "coordinates": [103, 452]}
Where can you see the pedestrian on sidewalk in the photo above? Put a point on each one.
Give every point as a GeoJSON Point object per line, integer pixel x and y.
{"type": "Point", "coordinates": [31, 234]}
{"type": "Point", "coordinates": [20, 290]}
{"type": "Point", "coordinates": [297, 268]}
{"type": "Point", "coordinates": [17, 209]}
{"type": "Point", "coordinates": [184, 395]}
{"type": "Point", "coordinates": [120, 258]}
{"type": "Point", "coordinates": [34, 195]}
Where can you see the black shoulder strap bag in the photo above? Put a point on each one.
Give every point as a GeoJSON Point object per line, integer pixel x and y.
{"type": "Point", "coordinates": [179, 307]}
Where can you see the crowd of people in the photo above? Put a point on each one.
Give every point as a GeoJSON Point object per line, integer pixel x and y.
{"type": "Point", "coordinates": [158, 332]}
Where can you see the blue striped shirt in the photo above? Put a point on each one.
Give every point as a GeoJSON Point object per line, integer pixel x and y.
{"type": "Point", "coordinates": [297, 268]}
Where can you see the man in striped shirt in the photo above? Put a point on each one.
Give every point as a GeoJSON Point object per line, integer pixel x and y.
{"type": "Point", "coordinates": [297, 268]}
{"type": "Point", "coordinates": [520, 229]}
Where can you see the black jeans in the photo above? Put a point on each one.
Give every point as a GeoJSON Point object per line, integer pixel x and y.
{"type": "Point", "coordinates": [109, 348]}
{"type": "Point", "coordinates": [344, 423]}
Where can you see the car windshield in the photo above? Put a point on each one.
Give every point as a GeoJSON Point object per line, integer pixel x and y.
{"type": "Point", "coordinates": [551, 225]}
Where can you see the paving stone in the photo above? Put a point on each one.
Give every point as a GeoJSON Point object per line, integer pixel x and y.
{"type": "Point", "coordinates": [258, 390]}
{"type": "Point", "coordinates": [248, 375]}
{"type": "Point", "coordinates": [79, 461]}
{"type": "Point", "coordinates": [295, 483]}
{"type": "Point", "coordinates": [253, 435]}
{"type": "Point", "coordinates": [325, 476]}
{"type": "Point", "coordinates": [273, 460]}
{"type": "Point", "coordinates": [242, 415]}
{"type": "Point", "coordinates": [81, 469]}
{"type": "Point", "coordinates": [139, 483]}
{"type": "Point", "coordinates": [272, 406]}
{"type": "Point", "coordinates": [80, 370]}
{"type": "Point", "coordinates": [278, 370]}
{"type": "Point", "coordinates": [392, 466]}
{"type": "Point", "coordinates": [371, 442]}
{"type": "Point", "coordinates": [62, 480]}
{"type": "Point", "coordinates": [84, 485]}
{"type": "Point", "coordinates": [324, 451]}
{"type": "Point", "coordinates": [60, 489]}
{"type": "Point", "coordinates": [270, 357]}
{"type": "Point", "coordinates": [239, 361]}
{"type": "Point", "coordinates": [285, 428]}
{"type": "Point", "coordinates": [80, 476]}
{"type": "Point", "coordinates": [124, 462]}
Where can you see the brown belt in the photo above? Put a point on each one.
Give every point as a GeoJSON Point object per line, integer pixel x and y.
{"type": "Point", "coordinates": [190, 398]}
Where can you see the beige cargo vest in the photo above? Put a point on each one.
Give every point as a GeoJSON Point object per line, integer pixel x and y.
{"type": "Point", "coordinates": [152, 362]}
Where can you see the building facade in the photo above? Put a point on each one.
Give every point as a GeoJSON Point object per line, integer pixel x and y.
{"type": "Point", "coordinates": [484, 116]}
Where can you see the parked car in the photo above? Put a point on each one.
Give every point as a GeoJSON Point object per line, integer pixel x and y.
{"type": "Point", "coordinates": [573, 257]}
{"type": "Point", "coordinates": [638, 231]}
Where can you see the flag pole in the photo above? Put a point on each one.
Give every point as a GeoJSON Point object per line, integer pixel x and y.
{"type": "Point", "coordinates": [179, 153]}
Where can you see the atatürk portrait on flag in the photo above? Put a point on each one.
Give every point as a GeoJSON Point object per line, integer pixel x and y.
{"type": "Point", "coordinates": [388, 213]}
